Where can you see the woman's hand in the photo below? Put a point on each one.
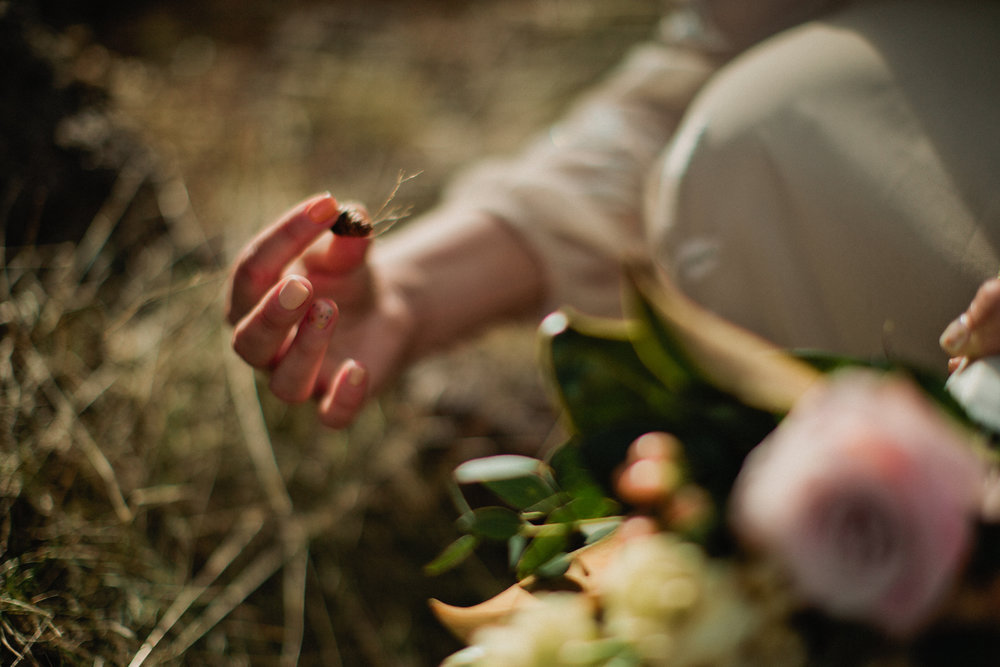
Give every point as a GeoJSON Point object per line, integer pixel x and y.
{"type": "Point", "coordinates": [307, 307]}
{"type": "Point", "coordinates": [976, 332]}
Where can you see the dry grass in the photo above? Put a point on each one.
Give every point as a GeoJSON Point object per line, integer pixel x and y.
{"type": "Point", "coordinates": [154, 508]}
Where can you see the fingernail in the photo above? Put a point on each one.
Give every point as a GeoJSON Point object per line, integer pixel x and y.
{"type": "Point", "coordinates": [320, 315]}
{"type": "Point", "coordinates": [356, 374]}
{"type": "Point", "coordinates": [323, 210]}
{"type": "Point", "coordinates": [956, 336]}
{"type": "Point", "coordinates": [293, 294]}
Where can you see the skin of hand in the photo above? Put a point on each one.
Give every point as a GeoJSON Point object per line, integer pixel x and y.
{"type": "Point", "coordinates": [335, 318]}
{"type": "Point", "coordinates": [976, 332]}
{"type": "Point", "coordinates": [296, 284]}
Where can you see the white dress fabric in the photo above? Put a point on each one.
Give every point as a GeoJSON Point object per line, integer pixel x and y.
{"type": "Point", "coordinates": [833, 185]}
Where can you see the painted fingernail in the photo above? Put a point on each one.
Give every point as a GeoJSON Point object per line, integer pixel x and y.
{"type": "Point", "coordinates": [320, 315]}
{"type": "Point", "coordinates": [323, 210]}
{"type": "Point", "coordinates": [293, 293]}
{"type": "Point", "coordinates": [956, 336]}
{"type": "Point", "coordinates": [356, 373]}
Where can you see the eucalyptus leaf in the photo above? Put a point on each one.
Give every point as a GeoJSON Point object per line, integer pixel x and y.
{"type": "Point", "coordinates": [491, 523]}
{"type": "Point", "coordinates": [497, 468]}
{"type": "Point", "coordinates": [521, 481]}
{"type": "Point", "coordinates": [594, 532]}
{"type": "Point", "coordinates": [515, 548]}
{"type": "Point", "coordinates": [543, 549]}
{"type": "Point", "coordinates": [453, 555]}
{"type": "Point", "coordinates": [554, 567]}
{"type": "Point", "coordinates": [573, 477]}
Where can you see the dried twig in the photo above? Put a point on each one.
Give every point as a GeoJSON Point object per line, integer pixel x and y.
{"type": "Point", "coordinates": [83, 438]}
{"type": "Point", "coordinates": [249, 527]}
{"type": "Point", "coordinates": [249, 580]}
{"type": "Point", "coordinates": [387, 214]}
{"type": "Point", "coordinates": [254, 428]}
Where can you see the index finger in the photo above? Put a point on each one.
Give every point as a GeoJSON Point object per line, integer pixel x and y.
{"type": "Point", "coordinates": [261, 263]}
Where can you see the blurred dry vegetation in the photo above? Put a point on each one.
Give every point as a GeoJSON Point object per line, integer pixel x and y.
{"type": "Point", "coordinates": [152, 505]}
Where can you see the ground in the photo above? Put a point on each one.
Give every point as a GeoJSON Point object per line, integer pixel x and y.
{"type": "Point", "coordinates": [149, 493]}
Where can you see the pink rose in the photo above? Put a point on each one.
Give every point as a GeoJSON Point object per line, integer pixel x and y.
{"type": "Point", "coordinates": [864, 494]}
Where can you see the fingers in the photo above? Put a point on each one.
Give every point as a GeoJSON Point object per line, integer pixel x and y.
{"type": "Point", "coordinates": [294, 377]}
{"type": "Point", "coordinates": [264, 339]}
{"type": "Point", "coordinates": [346, 396]}
{"type": "Point", "coordinates": [260, 337]}
{"type": "Point", "coordinates": [264, 259]}
{"type": "Point", "coordinates": [976, 332]}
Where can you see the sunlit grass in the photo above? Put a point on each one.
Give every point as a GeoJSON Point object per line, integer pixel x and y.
{"type": "Point", "coordinates": [154, 508]}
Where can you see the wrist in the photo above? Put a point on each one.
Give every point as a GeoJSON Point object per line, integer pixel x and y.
{"type": "Point", "coordinates": [452, 274]}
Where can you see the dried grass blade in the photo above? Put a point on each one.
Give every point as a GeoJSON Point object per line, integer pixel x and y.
{"type": "Point", "coordinates": [322, 623]}
{"type": "Point", "coordinates": [249, 526]}
{"type": "Point", "coordinates": [82, 437]}
{"type": "Point", "coordinates": [255, 435]}
{"type": "Point", "coordinates": [27, 645]}
{"type": "Point", "coordinates": [294, 596]}
{"type": "Point", "coordinates": [249, 580]}
{"type": "Point", "coordinates": [131, 177]}
{"type": "Point", "coordinates": [148, 298]}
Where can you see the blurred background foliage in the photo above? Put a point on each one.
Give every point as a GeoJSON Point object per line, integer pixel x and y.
{"type": "Point", "coordinates": [148, 495]}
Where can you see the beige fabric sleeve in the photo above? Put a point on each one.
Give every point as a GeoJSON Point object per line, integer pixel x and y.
{"type": "Point", "coordinates": [575, 194]}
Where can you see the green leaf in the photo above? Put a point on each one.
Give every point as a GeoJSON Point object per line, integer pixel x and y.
{"type": "Point", "coordinates": [555, 566]}
{"type": "Point", "coordinates": [543, 549]}
{"type": "Point", "coordinates": [594, 532]}
{"type": "Point", "coordinates": [453, 555]}
{"type": "Point", "coordinates": [496, 468]}
{"type": "Point", "coordinates": [491, 523]}
{"type": "Point", "coordinates": [598, 378]}
{"type": "Point", "coordinates": [587, 498]}
{"type": "Point", "coordinates": [515, 548]}
{"type": "Point", "coordinates": [520, 481]}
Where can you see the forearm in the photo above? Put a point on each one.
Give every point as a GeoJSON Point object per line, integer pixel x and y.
{"type": "Point", "coordinates": [458, 271]}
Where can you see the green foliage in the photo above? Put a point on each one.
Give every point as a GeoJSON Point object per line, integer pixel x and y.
{"type": "Point", "coordinates": [547, 508]}
{"type": "Point", "coordinates": [615, 380]}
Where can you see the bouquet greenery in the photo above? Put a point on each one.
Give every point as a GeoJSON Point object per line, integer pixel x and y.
{"type": "Point", "coordinates": [808, 509]}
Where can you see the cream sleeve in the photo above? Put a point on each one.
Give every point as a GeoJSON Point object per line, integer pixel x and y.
{"type": "Point", "coordinates": [576, 193]}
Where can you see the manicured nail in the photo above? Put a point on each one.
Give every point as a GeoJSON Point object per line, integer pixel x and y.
{"type": "Point", "coordinates": [956, 336]}
{"type": "Point", "coordinates": [323, 210]}
{"type": "Point", "coordinates": [355, 373]}
{"type": "Point", "coordinates": [320, 315]}
{"type": "Point", "coordinates": [293, 293]}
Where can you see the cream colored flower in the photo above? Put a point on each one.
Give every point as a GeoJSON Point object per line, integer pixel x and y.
{"type": "Point", "coordinates": [553, 633]}
{"type": "Point", "coordinates": [652, 583]}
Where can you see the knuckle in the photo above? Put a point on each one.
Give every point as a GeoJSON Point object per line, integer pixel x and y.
{"type": "Point", "coordinates": [244, 350]}
{"type": "Point", "coordinates": [271, 323]}
{"type": "Point", "coordinates": [250, 275]}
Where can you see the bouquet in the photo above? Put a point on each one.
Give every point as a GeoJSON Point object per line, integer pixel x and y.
{"type": "Point", "coordinates": [782, 508]}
